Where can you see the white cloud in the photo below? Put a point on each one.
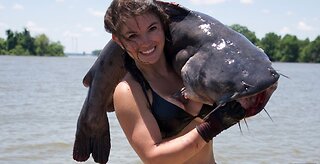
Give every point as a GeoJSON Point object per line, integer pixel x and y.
{"type": "Point", "coordinates": [202, 2]}
{"type": "Point", "coordinates": [289, 13]}
{"type": "Point", "coordinates": [3, 25]}
{"type": "Point", "coordinates": [87, 29]}
{"type": "Point", "coordinates": [33, 27]}
{"type": "Point", "coordinates": [1, 7]}
{"type": "Point", "coordinates": [71, 34]}
{"type": "Point", "coordinates": [96, 13]}
{"type": "Point", "coordinates": [246, 1]}
{"type": "Point", "coordinates": [17, 7]}
{"type": "Point", "coordinates": [315, 19]}
{"type": "Point", "coordinates": [3, 28]}
{"type": "Point", "coordinates": [285, 30]}
{"type": "Point", "coordinates": [304, 27]}
{"type": "Point", "coordinates": [265, 11]}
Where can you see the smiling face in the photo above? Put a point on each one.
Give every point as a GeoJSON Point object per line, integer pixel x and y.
{"type": "Point", "coordinates": [143, 38]}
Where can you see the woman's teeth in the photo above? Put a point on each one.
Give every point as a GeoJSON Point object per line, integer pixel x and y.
{"type": "Point", "coordinates": [148, 51]}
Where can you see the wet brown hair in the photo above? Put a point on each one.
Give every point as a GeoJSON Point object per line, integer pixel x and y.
{"type": "Point", "coordinates": [120, 10]}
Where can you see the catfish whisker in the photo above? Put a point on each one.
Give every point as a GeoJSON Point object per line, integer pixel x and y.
{"type": "Point", "coordinates": [240, 128]}
{"type": "Point", "coordinates": [268, 114]}
{"type": "Point", "coordinates": [284, 75]}
{"type": "Point", "coordinates": [245, 121]}
{"type": "Point", "coordinates": [217, 107]}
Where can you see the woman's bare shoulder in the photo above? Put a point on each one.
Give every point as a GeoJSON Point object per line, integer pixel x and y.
{"type": "Point", "coordinates": [126, 87]}
{"type": "Point", "coordinates": [128, 95]}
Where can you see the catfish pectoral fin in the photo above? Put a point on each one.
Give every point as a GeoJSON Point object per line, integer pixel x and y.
{"type": "Point", "coordinates": [81, 147]}
{"type": "Point", "coordinates": [87, 80]}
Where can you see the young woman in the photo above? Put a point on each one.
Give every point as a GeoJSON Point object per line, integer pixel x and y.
{"type": "Point", "coordinates": [160, 128]}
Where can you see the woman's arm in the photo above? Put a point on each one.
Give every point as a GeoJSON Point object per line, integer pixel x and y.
{"type": "Point", "coordinates": [142, 131]}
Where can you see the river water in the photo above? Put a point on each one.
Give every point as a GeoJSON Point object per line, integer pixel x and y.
{"type": "Point", "coordinates": [41, 97]}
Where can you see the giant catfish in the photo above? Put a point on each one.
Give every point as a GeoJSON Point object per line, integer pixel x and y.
{"type": "Point", "coordinates": [217, 65]}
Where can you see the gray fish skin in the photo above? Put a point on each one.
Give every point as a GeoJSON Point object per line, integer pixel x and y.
{"type": "Point", "coordinates": [216, 63]}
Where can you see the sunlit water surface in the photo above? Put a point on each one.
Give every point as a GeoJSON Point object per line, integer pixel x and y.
{"type": "Point", "coordinates": [41, 97]}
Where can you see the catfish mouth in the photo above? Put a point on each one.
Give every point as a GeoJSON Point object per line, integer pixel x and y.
{"type": "Point", "coordinates": [255, 103]}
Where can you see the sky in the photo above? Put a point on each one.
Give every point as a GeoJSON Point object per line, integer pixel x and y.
{"type": "Point", "coordinates": [78, 24]}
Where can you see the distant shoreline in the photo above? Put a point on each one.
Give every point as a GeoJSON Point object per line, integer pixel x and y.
{"type": "Point", "coordinates": [65, 55]}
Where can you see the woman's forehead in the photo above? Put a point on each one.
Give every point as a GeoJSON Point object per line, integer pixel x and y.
{"type": "Point", "coordinates": [139, 22]}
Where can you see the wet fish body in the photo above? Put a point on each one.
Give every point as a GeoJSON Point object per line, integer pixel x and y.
{"type": "Point", "coordinates": [217, 64]}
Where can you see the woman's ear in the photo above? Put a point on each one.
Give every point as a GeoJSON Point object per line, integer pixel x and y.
{"type": "Point", "coordinates": [116, 39]}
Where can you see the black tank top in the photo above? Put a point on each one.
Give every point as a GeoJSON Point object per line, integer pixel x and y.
{"type": "Point", "coordinates": [171, 119]}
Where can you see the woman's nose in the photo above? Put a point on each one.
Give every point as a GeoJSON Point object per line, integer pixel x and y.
{"type": "Point", "coordinates": [144, 40]}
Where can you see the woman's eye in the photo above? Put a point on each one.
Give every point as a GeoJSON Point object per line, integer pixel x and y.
{"type": "Point", "coordinates": [131, 36]}
{"type": "Point", "coordinates": [153, 28]}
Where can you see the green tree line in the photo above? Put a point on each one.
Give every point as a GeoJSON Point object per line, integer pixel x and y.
{"type": "Point", "coordinates": [22, 43]}
{"type": "Point", "coordinates": [287, 48]}
{"type": "Point", "coordinates": [281, 49]}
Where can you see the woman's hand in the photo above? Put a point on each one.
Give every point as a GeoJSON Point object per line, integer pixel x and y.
{"type": "Point", "coordinates": [221, 119]}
